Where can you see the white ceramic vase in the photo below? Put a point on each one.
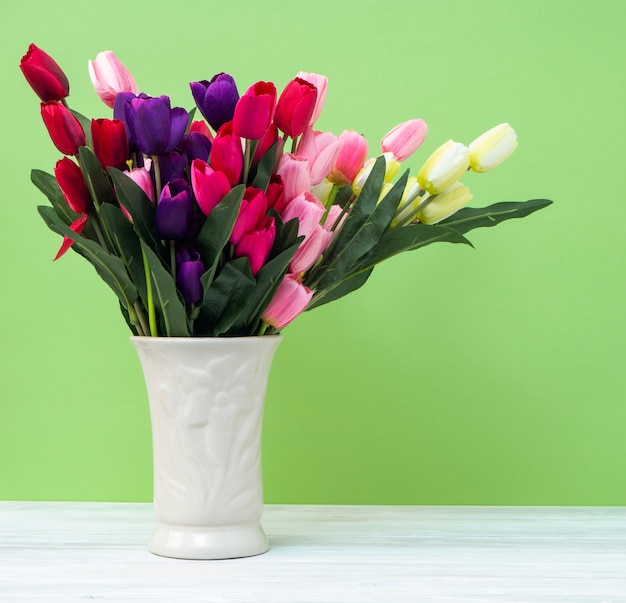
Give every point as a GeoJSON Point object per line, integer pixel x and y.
{"type": "Point", "coordinates": [206, 400]}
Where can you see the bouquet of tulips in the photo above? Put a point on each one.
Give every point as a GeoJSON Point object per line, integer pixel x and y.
{"type": "Point", "coordinates": [234, 224]}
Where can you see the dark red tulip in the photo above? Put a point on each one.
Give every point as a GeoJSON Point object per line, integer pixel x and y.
{"type": "Point", "coordinates": [43, 74]}
{"type": "Point", "coordinates": [77, 226]}
{"type": "Point", "coordinates": [295, 107]}
{"type": "Point", "coordinates": [110, 144]}
{"type": "Point", "coordinates": [254, 111]}
{"type": "Point", "coordinates": [64, 129]}
{"type": "Point", "coordinates": [72, 185]}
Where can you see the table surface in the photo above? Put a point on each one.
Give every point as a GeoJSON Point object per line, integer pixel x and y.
{"type": "Point", "coordinates": [64, 552]}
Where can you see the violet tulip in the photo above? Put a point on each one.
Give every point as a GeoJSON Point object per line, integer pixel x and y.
{"type": "Point", "coordinates": [172, 165]}
{"type": "Point", "coordinates": [110, 77]}
{"type": "Point", "coordinates": [189, 270]}
{"type": "Point", "coordinates": [321, 150]}
{"type": "Point", "coordinates": [64, 129]}
{"type": "Point", "coordinates": [72, 185]}
{"type": "Point", "coordinates": [404, 139]}
{"type": "Point", "coordinates": [289, 301]}
{"type": "Point", "coordinates": [321, 84]}
{"type": "Point", "coordinates": [254, 111]}
{"type": "Point", "coordinates": [296, 176]}
{"type": "Point", "coordinates": [257, 244]}
{"type": "Point", "coordinates": [253, 208]}
{"type": "Point", "coordinates": [195, 146]}
{"type": "Point", "coordinates": [173, 210]}
{"type": "Point", "coordinates": [295, 107]}
{"type": "Point", "coordinates": [77, 226]}
{"type": "Point", "coordinates": [154, 126]}
{"type": "Point", "coordinates": [44, 75]}
{"type": "Point", "coordinates": [109, 141]}
{"type": "Point", "coordinates": [216, 99]}
{"type": "Point", "coordinates": [209, 186]}
{"type": "Point", "coordinates": [227, 154]}
{"type": "Point", "coordinates": [350, 159]}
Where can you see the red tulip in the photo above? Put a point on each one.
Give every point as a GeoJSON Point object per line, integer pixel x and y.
{"type": "Point", "coordinates": [226, 153]}
{"type": "Point", "coordinates": [110, 144]}
{"type": "Point", "coordinates": [209, 186]}
{"type": "Point", "coordinates": [72, 185]}
{"type": "Point", "coordinates": [43, 74]}
{"type": "Point", "coordinates": [64, 129]}
{"type": "Point", "coordinates": [295, 107]}
{"type": "Point", "coordinates": [257, 244]}
{"type": "Point", "coordinates": [290, 300]}
{"type": "Point", "coordinates": [321, 83]}
{"type": "Point", "coordinates": [254, 111]}
{"type": "Point", "coordinates": [275, 193]}
{"type": "Point", "coordinates": [200, 127]}
{"type": "Point", "coordinates": [253, 208]}
{"type": "Point", "coordinates": [77, 226]}
{"type": "Point", "coordinates": [267, 140]}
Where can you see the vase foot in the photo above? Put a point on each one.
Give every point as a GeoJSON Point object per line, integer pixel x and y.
{"type": "Point", "coordinates": [193, 542]}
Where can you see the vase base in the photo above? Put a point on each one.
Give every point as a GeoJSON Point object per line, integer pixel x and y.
{"type": "Point", "coordinates": [192, 542]}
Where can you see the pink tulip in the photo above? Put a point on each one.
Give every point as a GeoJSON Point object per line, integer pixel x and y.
{"type": "Point", "coordinates": [404, 139]}
{"type": "Point", "coordinates": [321, 150]}
{"type": "Point", "coordinates": [321, 84]}
{"type": "Point", "coordinates": [257, 244]}
{"type": "Point", "coordinates": [109, 77]}
{"type": "Point", "coordinates": [227, 153]}
{"type": "Point", "coordinates": [254, 111]}
{"type": "Point", "coordinates": [296, 175]}
{"type": "Point", "coordinates": [209, 186]}
{"type": "Point", "coordinates": [295, 107]}
{"type": "Point", "coordinates": [351, 158]}
{"type": "Point", "coordinates": [290, 300]}
{"type": "Point", "coordinates": [141, 177]}
{"type": "Point", "coordinates": [253, 208]}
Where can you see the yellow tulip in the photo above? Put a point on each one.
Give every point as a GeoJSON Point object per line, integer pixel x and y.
{"type": "Point", "coordinates": [444, 167]}
{"type": "Point", "coordinates": [392, 167]}
{"type": "Point", "coordinates": [490, 149]}
{"type": "Point", "coordinates": [445, 204]}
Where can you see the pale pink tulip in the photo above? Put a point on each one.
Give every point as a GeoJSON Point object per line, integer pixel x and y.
{"type": "Point", "coordinates": [404, 139]}
{"type": "Point", "coordinates": [351, 158]}
{"type": "Point", "coordinates": [296, 175]}
{"type": "Point", "coordinates": [321, 150]}
{"type": "Point", "coordinates": [141, 177]}
{"type": "Point", "coordinates": [290, 300]}
{"type": "Point", "coordinates": [110, 77]}
{"type": "Point", "coordinates": [321, 83]}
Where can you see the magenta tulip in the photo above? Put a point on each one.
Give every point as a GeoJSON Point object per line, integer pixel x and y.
{"type": "Point", "coordinates": [64, 129]}
{"type": "Point", "coordinates": [72, 185]}
{"type": "Point", "coordinates": [77, 226]}
{"type": "Point", "coordinates": [275, 193]}
{"type": "Point", "coordinates": [290, 300]}
{"type": "Point", "coordinates": [227, 154]}
{"type": "Point", "coordinates": [266, 141]}
{"type": "Point", "coordinates": [253, 208]}
{"type": "Point", "coordinates": [295, 174]}
{"type": "Point", "coordinates": [404, 139]}
{"type": "Point", "coordinates": [321, 84]}
{"type": "Point", "coordinates": [254, 111]}
{"type": "Point", "coordinates": [110, 77]}
{"type": "Point", "coordinates": [295, 107]}
{"type": "Point", "coordinates": [110, 144]}
{"type": "Point", "coordinates": [43, 74]}
{"type": "Point", "coordinates": [209, 186]}
{"type": "Point", "coordinates": [257, 244]}
{"type": "Point", "coordinates": [350, 159]}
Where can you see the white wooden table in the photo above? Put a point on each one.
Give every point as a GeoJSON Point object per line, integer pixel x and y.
{"type": "Point", "coordinates": [65, 552]}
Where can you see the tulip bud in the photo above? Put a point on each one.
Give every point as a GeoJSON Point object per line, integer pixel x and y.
{"type": "Point", "coordinates": [209, 186]}
{"type": "Point", "coordinates": [290, 300]}
{"type": "Point", "coordinates": [257, 244]}
{"type": "Point", "coordinates": [321, 150]}
{"type": "Point", "coordinates": [109, 141]}
{"type": "Point", "coordinates": [445, 204]}
{"type": "Point", "coordinates": [253, 208]}
{"type": "Point", "coordinates": [404, 139]}
{"type": "Point", "coordinates": [254, 111]}
{"type": "Point", "coordinates": [216, 99]}
{"type": "Point", "coordinates": [295, 107]}
{"type": "Point", "coordinates": [141, 177]}
{"type": "Point", "coordinates": [350, 159]}
{"type": "Point", "coordinates": [321, 84]}
{"type": "Point", "coordinates": [227, 154]}
{"type": "Point", "coordinates": [65, 130]}
{"type": "Point", "coordinates": [43, 74]}
{"type": "Point", "coordinates": [444, 167]}
{"type": "Point", "coordinates": [110, 77]}
{"type": "Point", "coordinates": [295, 174]}
{"type": "Point", "coordinates": [173, 211]}
{"type": "Point", "coordinates": [72, 185]}
{"type": "Point", "coordinates": [410, 201]}
{"type": "Point", "coordinates": [189, 270]}
{"type": "Point", "coordinates": [491, 148]}
{"type": "Point", "coordinates": [323, 190]}
{"type": "Point", "coordinates": [392, 167]}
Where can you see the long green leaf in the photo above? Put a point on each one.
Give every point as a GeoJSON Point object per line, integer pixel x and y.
{"type": "Point", "coordinates": [169, 306]}
{"type": "Point", "coordinates": [95, 177]}
{"type": "Point", "coordinates": [85, 124]}
{"type": "Point", "coordinates": [346, 286]}
{"type": "Point", "coordinates": [49, 186]}
{"type": "Point", "coordinates": [264, 168]}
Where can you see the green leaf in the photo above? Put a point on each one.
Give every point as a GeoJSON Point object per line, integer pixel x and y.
{"type": "Point", "coordinates": [95, 177]}
{"type": "Point", "coordinates": [346, 286]}
{"type": "Point", "coordinates": [480, 217]}
{"type": "Point", "coordinates": [85, 124]}
{"type": "Point", "coordinates": [264, 168]}
{"type": "Point", "coordinates": [286, 233]}
{"type": "Point", "coordinates": [226, 298]}
{"type": "Point", "coordinates": [49, 186]}
{"type": "Point", "coordinates": [217, 229]}
{"type": "Point", "coordinates": [169, 307]}
{"type": "Point", "coordinates": [109, 267]}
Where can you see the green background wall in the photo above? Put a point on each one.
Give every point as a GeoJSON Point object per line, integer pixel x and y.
{"type": "Point", "coordinates": [456, 376]}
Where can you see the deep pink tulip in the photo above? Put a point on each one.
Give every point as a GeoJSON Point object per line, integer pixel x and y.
{"type": "Point", "coordinates": [253, 208]}
{"type": "Point", "coordinates": [295, 107]}
{"type": "Point", "coordinates": [77, 226]}
{"type": "Point", "coordinates": [64, 129]}
{"type": "Point", "coordinates": [275, 193]}
{"type": "Point", "coordinates": [72, 184]}
{"type": "Point", "coordinates": [110, 77]}
{"type": "Point", "coordinates": [254, 111]}
{"type": "Point", "coordinates": [290, 300]}
{"type": "Point", "coordinates": [351, 158]}
{"type": "Point", "coordinates": [199, 126]}
{"type": "Point", "coordinates": [296, 175]}
{"type": "Point", "coordinates": [321, 150]}
{"type": "Point", "coordinates": [257, 244]}
{"type": "Point", "coordinates": [404, 139]}
{"type": "Point", "coordinates": [321, 84]}
{"type": "Point", "coordinates": [267, 140]}
{"type": "Point", "coordinates": [209, 186]}
{"type": "Point", "coordinates": [43, 74]}
{"type": "Point", "coordinates": [227, 154]}
{"type": "Point", "coordinates": [110, 144]}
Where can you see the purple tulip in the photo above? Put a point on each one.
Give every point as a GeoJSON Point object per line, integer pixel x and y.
{"type": "Point", "coordinates": [173, 211]}
{"type": "Point", "coordinates": [154, 127]}
{"type": "Point", "coordinates": [172, 166]}
{"type": "Point", "coordinates": [190, 269]}
{"type": "Point", "coordinates": [216, 99]}
{"type": "Point", "coordinates": [195, 146]}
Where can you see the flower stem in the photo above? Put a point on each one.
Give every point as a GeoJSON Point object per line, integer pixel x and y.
{"type": "Point", "coordinates": [263, 328]}
{"type": "Point", "coordinates": [151, 309]}
{"type": "Point", "coordinates": [143, 325]}
{"type": "Point", "coordinates": [246, 161]}
{"type": "Point", "coordinates": [173, 259]}
{"type": "Point", "coordinates": [157, 176]}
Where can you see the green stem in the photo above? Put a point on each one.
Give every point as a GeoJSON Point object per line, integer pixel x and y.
{"type": "Point", "coordinates": [246, 161]}
{"type": "Point", "coordinates": [151, 309]}
{"type": "Point", "coordinates": [157, 176]}
{"type": "Point", "coordinates": [96, 226]}
{"type": "Point", "coordinates": [173, 259]}
{"type": "Point", "coordinates": [143, 325]}
{"type": "Point", "coordinates": [263, 328]}
{"type": "Point", "coordinates": [293, 144]}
